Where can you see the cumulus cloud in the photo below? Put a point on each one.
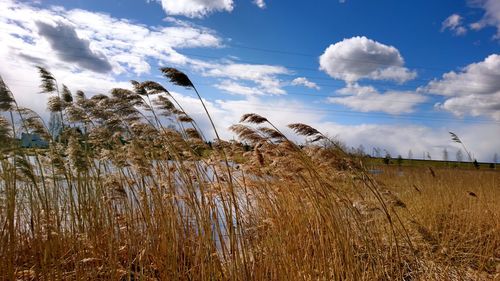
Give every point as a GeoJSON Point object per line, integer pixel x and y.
{"type": "Point", "coordinates": [93, 38]}
{"type": "Point", "coordinates": [260, 3]}
{"type": "Point", "coordinates": [359, 58]}
{"type": "Point", "coordinates": [305, 82]}
{"type": "Point", "coordinates": [475, 90]}
{"type": "Point", "coordinates": [94, 41]}
{"type": "Point", "coordinates": [70, 48]}
{"type": "Point", "coordinates": [454, 23]}
{"type": "Point", "coordinates": [130, 48]}
{"type": "Point", "coordinates": [81, 47]}
{"type": "Point", "coordinates": [491, 16]}
{"type": "Point", "coordinates": [367, 98]}
{"type": "Point", "coordinates": [197, 8]}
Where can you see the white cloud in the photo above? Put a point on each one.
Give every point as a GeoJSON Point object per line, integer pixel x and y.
{"type": "Point", "coordinates": [131, 47]}
{"type": "Point", "coordinates": [260, 3]}
{"type": "Point", "coordinates": [473, 105]}
{"type": "Point", "coordinates": [362, 58]}
{"type": "Point", "coordinates": [367, 98]}
{"type": "Point", "coordinates": [264, 77]}
{"type": "Point", "coordinates": [195, 8]}
{"type": "Point", "coordinates": [237, 88]}
{"type": "Point", "coordinates": [491, 16]}
{"type": "Point", "coordinates": [305, 82]}
{"type": "Point", "coordinates": [90, 54]}
{"type": "Point", "coordinates": [454, 23]}
{"type": "Point", "coordinates": [481, 139]}
{"type": "Point", "coordinates": [125, 45]}
{"type": "Point", "coordinates": [475, 90]}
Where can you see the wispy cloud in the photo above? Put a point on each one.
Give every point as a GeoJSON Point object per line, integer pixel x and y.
{"type": "Point", "coordinates": [264, 77]}
{"type": "Point", "coordinates": [454, 24]}
{"type": "Point", "coordinates": [233, 87]}
{"type": "Point", "coordinates": [303, 81]}
{"type": "Point", "coordinates": [367, 98]}
{"type": "Point", "coordinates": [491, 15]}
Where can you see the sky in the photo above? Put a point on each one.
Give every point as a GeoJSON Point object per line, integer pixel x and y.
{"type": "Point", "coordinates": [389, 74]}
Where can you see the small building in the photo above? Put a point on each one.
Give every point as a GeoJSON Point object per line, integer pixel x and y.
{"type": "Point", "coordinates": [33, 141]}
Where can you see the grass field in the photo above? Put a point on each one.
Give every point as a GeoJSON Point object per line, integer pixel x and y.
{"type": "Point", "coordinates": [119, 196]}
{"type": "Point", "coordinates": [374, 161]}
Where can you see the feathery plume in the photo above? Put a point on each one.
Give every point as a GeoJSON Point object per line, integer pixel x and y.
{"type": "Point", "coordinates": [34, 122]}
{"type": "Point", "coordinates": [184, 118]}
{"type": "Point", "coordinates": [246, 133]}
{"type": "Point", "coordinates": [271, 133]}
{"type": "Point", "coordinates": [48, 81]}
{"type": "Point", "coordinates": [455, 138]}
{"type": "Point", "coordinates": [192, 133]}
{"type": "Point", "coordinates": [177, 77]}
{"type": "Point", "coordinates": [253, 118]}
{"type": "Point", "coordinates": [303, 129]}
{"type": "Point", "coordinates": [153, 88]}
{"type": "Point", "coordinates": [66, 95]}
{"type": "Point", "coordinates": [6, 98]}
{"type": "Point", "coordinates": [99, 97]}
{"type": "Point", "coordinates": [138, 88]}
{"type": "Point", "coordinates": [5, 130]}
{"type": "Point", "coordinates": [166, 106]}
{"type": "Point", "coordinates": [80, 94]}
{"type": "Point", "coordinates": [55, 104]}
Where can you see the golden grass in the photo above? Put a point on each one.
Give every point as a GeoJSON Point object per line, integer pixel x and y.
{"type": "Point", "coordinates": [454, 217]}
{"type": "Point", "coordinates": [120, 196]}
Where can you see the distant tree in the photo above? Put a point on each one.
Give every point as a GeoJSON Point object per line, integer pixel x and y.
{"type": "Point", "coordinates": [376, 152]}
{"type": "Point", "coordinates": [410, 154]}
{"type": "Point", "coordinates": [360, 150]}
{"type": "Point", "coordinates": [476, 164]}
{"type": "Point", "coordinates": [429, 156]}
{"type": "Point", "coordinates": [400, 160]}
{"type": "Point", "coordinates": [495, 160]}
{"type": "Point", "coordinates": [460, 155]}
{"type": "Point", "coordinates": [445, 155]}
{"type": "Point", "coordinates": [387, 158]}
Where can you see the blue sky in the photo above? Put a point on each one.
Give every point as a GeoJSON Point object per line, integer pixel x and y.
{"type": "Point", "coordinates": [391, 74]}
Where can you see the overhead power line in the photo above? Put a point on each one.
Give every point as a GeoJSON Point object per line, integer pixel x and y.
{"type": "Point", "coordinates": [267, 50]}
{"type": "Point", "coordinates": [427, 118]}
{"type": "Point", "coordinates": [332, 95]}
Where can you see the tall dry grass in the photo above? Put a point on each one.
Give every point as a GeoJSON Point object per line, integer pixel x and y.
{"type": "Point", "coordinates": [454, 217]}
{"type": "Point", "coordinates": [119, 195]}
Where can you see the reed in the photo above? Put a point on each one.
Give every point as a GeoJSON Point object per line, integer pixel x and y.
{"type": "Point", "coordinates": [120, 195]}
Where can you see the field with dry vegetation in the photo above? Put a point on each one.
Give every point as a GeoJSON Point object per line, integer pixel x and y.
{"type": "Point", "coordinates": [119, 195]}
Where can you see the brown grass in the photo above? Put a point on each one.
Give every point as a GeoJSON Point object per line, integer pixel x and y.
{"type": "Point", "coordinates": [120, 196]}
